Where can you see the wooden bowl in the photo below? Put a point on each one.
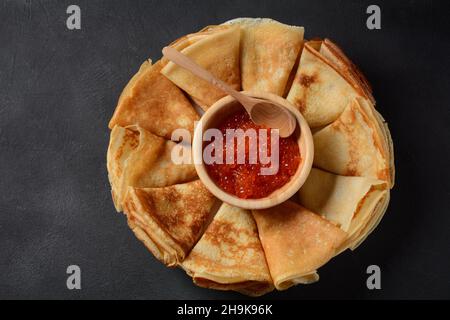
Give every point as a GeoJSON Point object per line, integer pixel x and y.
{"type": "Point", "coordinates": [215, 115]}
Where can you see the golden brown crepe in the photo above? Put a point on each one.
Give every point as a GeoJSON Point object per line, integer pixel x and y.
{"type": "Point", "coordinates": [121, 144]}
{"type": "Point", "coordinates": [352, 145]}
{"type": "Point", "coordinates": [269, 50]}
{"type": "Point", "coordinates": [319, 91]}
{"type": "Point", "coordinates": [229, 255]}
{"type": "Point", "coordinates": [189, 39]}
{"type": "Point", "coordinates": [381, 206]}
{"type": "Point", "coordinates": [170, 220]}
{"type": "Point", "coordinates": [296, 242]}
{"type": "Point", "coordinates": [349, 202]}
{"type": "Point", "coordinates": [382, 136]}
{"type": "Point", "coordinates": [378, 213]}
{"type": "Point", "coordinates": [217, 52]}
{"type": "Point", "coordinates": [331, 51]}
{"type": "Point", "coordinates": [154, 103]}
{"type": "Point", "coordinates": [139, 158]}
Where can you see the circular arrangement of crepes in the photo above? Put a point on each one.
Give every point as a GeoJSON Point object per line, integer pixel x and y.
{"type": "Point", "coordinates": [229, 248]}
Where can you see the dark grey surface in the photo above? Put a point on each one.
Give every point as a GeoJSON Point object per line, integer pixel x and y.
{"type": "Point", "coordinates": [58, 89]}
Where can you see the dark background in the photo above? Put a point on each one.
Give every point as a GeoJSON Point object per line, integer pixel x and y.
{"type": "Point", "coordinates": [58, 89]}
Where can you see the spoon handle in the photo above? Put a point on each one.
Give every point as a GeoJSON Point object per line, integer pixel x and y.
{"type": "Point", "coordinates": [183, 61]}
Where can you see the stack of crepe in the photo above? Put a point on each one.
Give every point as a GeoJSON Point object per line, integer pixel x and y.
{"type": "Point", "coordinates": [138, 158]}
{"type": "Point", "coordinates": [224, 247]}
{"type": "Point", "coordinates": [353, 151]}
{"type": "Point", "coordinates": [166, 205]}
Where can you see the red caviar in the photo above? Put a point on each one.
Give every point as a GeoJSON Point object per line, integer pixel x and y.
{"type": "Point", "coordinates": [245, 180]}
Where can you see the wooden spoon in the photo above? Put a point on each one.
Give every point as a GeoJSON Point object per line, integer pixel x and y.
{"type": "Point", "coordinates": [262, 112]}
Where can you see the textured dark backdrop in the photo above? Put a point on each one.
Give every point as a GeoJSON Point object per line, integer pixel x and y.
{"type": "Point", "coordinates": [58, 89]}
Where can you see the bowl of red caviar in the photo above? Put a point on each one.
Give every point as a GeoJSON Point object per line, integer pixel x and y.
{"type": "Point", "coordinates": [246, 164]}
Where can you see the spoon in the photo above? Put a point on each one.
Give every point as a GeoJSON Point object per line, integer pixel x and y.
{"type": "Point", "coordinates": [262, 112]}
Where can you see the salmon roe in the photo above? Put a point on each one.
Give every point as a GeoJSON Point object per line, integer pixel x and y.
{"type": "Point", "coordinates": [245, 180]}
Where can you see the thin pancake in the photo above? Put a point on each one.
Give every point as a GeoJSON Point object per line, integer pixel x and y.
{"type": "Point", "coordinates": [154, 103]}
{"type": "Point", "coordinates": [349, 202]}
{"type": "Point", "coordinates": [296, 242]}
{"type": "Point", "coordinates": [269, 50]}
{"type": "Point", "coordinates": [121, 144]}
{"type": "Point", "coordinates": [319, 91]}
{"type": "Point", "coordinates": [187, 40]}
{"type": "Point", "coordinates": [229, 255]}
{"type": "Point", "coordinates": [351, 146]}
{"type": "Point", "coordinates": [382, 135]}
{"type": "Point", "coordinates": [139, 158]}
{"type": "Point", "coordinates": [378, 213]}
{"type": "Point", "coordinates": [170, 220]}
{"type": "Point", "coordinates": [331, 51]}
{"type": "Point", "coordinates": [218, 53]}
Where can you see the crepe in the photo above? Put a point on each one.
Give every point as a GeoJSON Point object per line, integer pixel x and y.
{"type": "Point", "coordinates": [319, 91]}
{"type": "Point", "coordinates": [170, 220]}
{"type": "Point", "coordinates": [189, 39]}
{"type": "Point", "coordinates": [218, 53]}
{"type": "Point", "coordinates": [378, 213]}
{"type": "Point", "coordinates": [382, 136]}
{"type": "Point", "coordinates": [269, 50]}
{"type": "Point", "coordinates": [352, 146]}
{"type": "Point", "coordinates": [154, 103]}
{"type": "Point", "coordinates": [139, 158]}
{"type": "Point", "coordinates": [331, 51]}
{"type": "Point", "coordinates": [349, 202]}
{"type": "Point", "coordinates": [121, 144]}
{"type": "Point", "coordinates": [381, 206]}
{"type": "Point", "coordinates": [296, 242]}
{"type": "Point", "coordinates": [229, 255]}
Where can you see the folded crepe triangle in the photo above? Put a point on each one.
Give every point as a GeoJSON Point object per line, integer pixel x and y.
{"type": "Point", "coordinates": [331, 51]}
{"type": "Point", "coordinates": [319, 91]}
{"type": "Point", "coordinates": [170, 220]}
{"type": "Point", "coordinates": [269, 50]}
{"type": "Point", "coordinates": [154, 103]}
{"type": "Point", "coordinates": [352, 145]}
{"type": "Point", "coordinates": [139, 158]}
{"type": "Point", "coordinates": [350, 202]}
{"type": "Point", "coordinates": [296, 243]}
{"type": "Point", "coordinates": [229, 255]}
{"type": "Point", "coordinates": [218, 52]}
{"type": "Point", "coordinates": [189, 39]}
